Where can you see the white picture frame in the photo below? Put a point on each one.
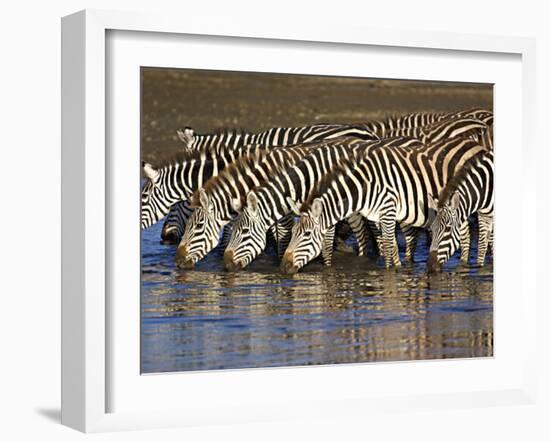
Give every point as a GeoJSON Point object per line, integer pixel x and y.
{"type": "Point", "coordinates": [87, 356]}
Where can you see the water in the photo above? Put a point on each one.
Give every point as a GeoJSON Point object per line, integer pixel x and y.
{"type": "Point", "coordinates": [354, 311]}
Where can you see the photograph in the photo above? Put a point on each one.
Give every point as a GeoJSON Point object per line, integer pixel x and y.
{"type": "Point", "coordinates": [292, 220]}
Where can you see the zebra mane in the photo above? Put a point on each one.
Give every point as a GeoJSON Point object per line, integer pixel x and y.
{"type": "Point", "coordinates": [249, 161]}
{"type": "Point", "coordinates": [226, 131]}
{"type": "Point", "coordinates": [342, 169]}
{"type": "Point", "coordinates": [185, 156]}
{"type": "Point", "coordinates": [454, 183]}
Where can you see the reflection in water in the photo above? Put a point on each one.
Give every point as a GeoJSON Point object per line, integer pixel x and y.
{"type": "Point", "coordinates": [355, 311]}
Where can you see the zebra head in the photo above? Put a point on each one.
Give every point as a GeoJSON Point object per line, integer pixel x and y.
{"type": "Point", "coordinates": [445, 230]}
{"type": "Point", "coordinates": [202, 232]}
{"type": "Point", "coordinates": [155, 198]}
{"type": "Point", "coordinates": [248, 237]}
{"type": "Point", "coordinates": [307, 239]}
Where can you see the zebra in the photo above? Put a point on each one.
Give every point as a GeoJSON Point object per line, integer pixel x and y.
{"type": "Point", "coordinates": [468, 192]}
{"type": "Point", "coordinates": [217, 202]}
{"type": "Point", "coordinates": [275, 136]}
{"type": "Point", "coordinates": [278, 196]}
{"type": "Point", "coordinates": [175, 222]}
{"type": "Point", "coordinates": [390, 126]}
{"type": "Point", "coordinates": [176, 180]}
{"type": "Point", "coordinates": [386, 185]}
{"type": "Point", "coordinates": [215, 151]}
{"type": "Point", "coordinates": [227, 144]}
{"type": "Point", "coordinates": [276, 199]}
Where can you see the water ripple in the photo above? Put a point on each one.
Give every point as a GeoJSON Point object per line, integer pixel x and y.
{"type": "Point", "coordinates": [355, 311]}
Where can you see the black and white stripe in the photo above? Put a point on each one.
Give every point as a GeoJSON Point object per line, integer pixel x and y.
{"type": "Point", "coordinates": [467, 193]}
{"type": "Point", "coordinates": [274, 200]}
{"type": "Point", "coordinates": [227, 145]}
{"type": "Point", "coordinates": [176, 181]}
{"type": "Point", "coordinates": [387, 186]}
{"type": "Point", "coordinates": [175, 222]}
{"type": "Point", "coordinates": [215, 204]}
{"type": "Point", "coordinates": [280, 196]}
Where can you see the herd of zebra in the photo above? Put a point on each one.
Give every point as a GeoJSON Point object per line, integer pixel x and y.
{"type": "Point", "coordinates": [431, 171]}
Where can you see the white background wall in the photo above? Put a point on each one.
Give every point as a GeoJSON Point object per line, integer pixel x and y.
{"type": "Point", "coordinates": [30, 215]}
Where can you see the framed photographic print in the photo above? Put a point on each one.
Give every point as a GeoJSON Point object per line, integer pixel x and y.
{"type": "Point", "coordinates": [269, 223]}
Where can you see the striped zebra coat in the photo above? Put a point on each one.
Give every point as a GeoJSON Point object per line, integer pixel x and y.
{"type": "Point", "coordinates": [177, 180]}
{"type": "Point", "coordinates": [387, 186]}
{"type": "Point", "coordinates": [468, 192]}
{"type": "Point", "coordinates": [226, 142]}
{"type": "Point", "coordinates": [227, 145]}
{"type": "Point", "coordinates": [215, 204]}
{"type": "Point", "coordinates": [277, 197]}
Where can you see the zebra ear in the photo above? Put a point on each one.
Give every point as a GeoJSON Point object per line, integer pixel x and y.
{"type": "Point", "coordinates": [203, 199]}
{"type": "Point", "coordinates": [150, 172]}
{"type": "Point", "coordinates": [236, 204]}
{"type": "Point", "coordinates": [432, 202]}
{"type": "Point", "coordinates": [252, 202]}
{"type": "Point", "coordinates": [316, 208]}
{"type": "Point", "coordinates": [186, 136]}
{"type": "Point", "coordinates": [293, 205]}
{"type": "Point", "coordinates": [455, 201]}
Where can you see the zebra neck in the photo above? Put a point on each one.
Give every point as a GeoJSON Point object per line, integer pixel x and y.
{"type": "Point", "coordinates": [467, 205]}
{"type": "Point", "coordinates": [220, 142]}
{"type": "Point", "coordinates": [272, 205]}
{"type": "Point", "coordinates": [335, 210]}
{"type": "Point", "coordinates": [189, 176]}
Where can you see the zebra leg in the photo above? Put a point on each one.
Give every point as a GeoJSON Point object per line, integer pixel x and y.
{"type": "Point", "coordinates": [485, 228]}
{"type": "Point", "coordinates": [465, 242]}
{"type": "Point", "coordinates": [341, 233]}
{"type": "Point", "coordinates": [359, 228]}
{"type": "Point", "coordinates": [377, 234]}
{"type": "Point", "coordinates": [389, 242]}
{"type": "Point", "coordinates": [326, 251]}
{"type": "Point", "coordinates": [411, 237]}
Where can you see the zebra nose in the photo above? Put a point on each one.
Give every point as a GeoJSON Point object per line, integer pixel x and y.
{"type": "Point", "coordinates": [287, 264]}
{"type": "Point", "coordinates": [230, 264]}
{"type": "Point", "coordinates": [182, 260]}
{"type": "Point", "coordinates": [433, 264]}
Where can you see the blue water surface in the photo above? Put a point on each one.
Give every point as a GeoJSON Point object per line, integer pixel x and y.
{"type": "Point", "coordinates": [355, 311]}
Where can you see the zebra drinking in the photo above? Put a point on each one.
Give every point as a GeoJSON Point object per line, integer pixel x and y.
{"type": "Point", "coordinates": [229, 144]}
{"type": "Point", "coordinates": [275, 199]}
{"type": "Point", "coordinates": [217, 202]}
{"type": "Point", "coordinates": [386, 185]}
{"type": "Point", "coordinates": [468, 192]}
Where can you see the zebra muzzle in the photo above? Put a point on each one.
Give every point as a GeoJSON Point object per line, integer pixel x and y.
{"type": "Point", "coordinates": [230, 264]}
{"type": "Point", "coordinates": [433, 263]}
{"type": "Point", "coordinates": [182, 260]}
{"type": "Point", "coordinates": [287, 264]}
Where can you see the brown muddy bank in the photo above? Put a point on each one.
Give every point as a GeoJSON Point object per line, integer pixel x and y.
{"type": "Point", "coordinates": [208, 100]}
